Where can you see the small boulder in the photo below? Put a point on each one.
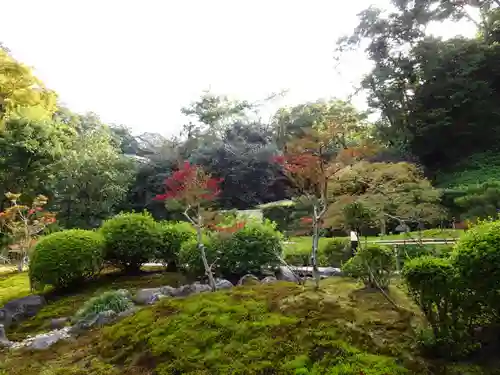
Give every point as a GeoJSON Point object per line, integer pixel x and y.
{"type": "Point", "coordinates": [223, 284]}
{"type": "Point", "coordinates": [167, 290]}
{"type": "Point", "coordinates": [147, 296]}
{"type": "Point", "coordinates": [105, 317]}
{"type": "Point", "coordinates": [269, 280]}
{"type": "Point", "coordinates": [45, 340]}
{"type": "Point", "coordinates": [58, 323]}
{"type": "Point", "coordinates": [128, 312]}
{"type": "Point", "coordinates": [4, 341]}
{"type": "Point", "coordinates": [249, 279]}
{"type": "Point", "coordinates": [285, 274]}
{"type": "Point", "coordinates": [186, 290]}
{"type": "Point", "coordinates": [20, 309]}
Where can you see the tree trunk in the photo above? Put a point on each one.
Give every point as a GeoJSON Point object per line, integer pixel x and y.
{"type": "Point", "coordinates": [315, 242]}
{"type": "Point", "coordinates": [208, 270]}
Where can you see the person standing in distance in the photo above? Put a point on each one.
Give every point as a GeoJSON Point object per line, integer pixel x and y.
{"type": "Point", "coordinates": [354, 242]}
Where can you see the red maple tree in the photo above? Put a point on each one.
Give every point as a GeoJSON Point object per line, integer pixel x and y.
{"type": "Point", "coordinates": [194, 189]}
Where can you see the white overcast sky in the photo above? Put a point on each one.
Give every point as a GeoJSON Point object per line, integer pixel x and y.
{"type": "Point", "coordinates": [138, 62]}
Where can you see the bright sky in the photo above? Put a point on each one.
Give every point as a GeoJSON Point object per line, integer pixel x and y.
{"type": "Point", "coordinates": [138, 62]}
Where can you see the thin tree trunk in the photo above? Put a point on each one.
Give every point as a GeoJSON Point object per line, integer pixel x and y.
{"type": "Point", "coordinates": [208, 269]}
{"type": "Point", "coordinates": [315, 242]}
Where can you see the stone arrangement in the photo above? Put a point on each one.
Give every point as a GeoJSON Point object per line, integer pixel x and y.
{"type": "Point", "coordinates": [24, 308]}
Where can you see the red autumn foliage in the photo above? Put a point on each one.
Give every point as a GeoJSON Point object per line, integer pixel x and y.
{"type": "Point", "coordinates": [191, 185]}
{"type": "Point", "coordinates": [230, 229]}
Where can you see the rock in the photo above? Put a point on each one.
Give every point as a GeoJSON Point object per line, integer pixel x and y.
{"type": "Point", "coordinates": [20, 309]}
{"type": "Point", "coordinates": [105, 317]}
{"type": "Point", "coordinates": [167, 290]}
{"type": "Point", "coordinates": [128, 312]}
{"type": "Point", "coordinates": [285, 274]}
{"type": "Point", "coordinates": [45, 340]}
{"type": "Point", "coordinates": [330, 271]}
{"type": "Point", "coordinates": [249, 279]}
{"type": "Point", "coordinates": [147, 296]}
{"type": "Point", "coordinates": [223, 284]}
{"type": "Point", "coordinates": [269, 280]}
{"type": "Point", "coordinates": [189, 289]}
{"type": "Point", "coordinates": [58, 323]}
{"type": "Point", "coordinates": [4, 341]}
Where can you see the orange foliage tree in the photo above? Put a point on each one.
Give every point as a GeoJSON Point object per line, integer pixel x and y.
{"type": "Point", "coordinates": [194, 189]}
{"type": "Point", "coordinates": [24, 223]}
{"type": "Point", "coordinates": [310, 162]}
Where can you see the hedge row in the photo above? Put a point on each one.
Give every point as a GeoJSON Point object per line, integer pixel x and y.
{"type": "Point", "coordinates": [129, 240]}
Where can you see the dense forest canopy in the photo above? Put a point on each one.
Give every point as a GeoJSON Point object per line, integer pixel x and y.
{"type": "Point", "coordinates": [439, 120]}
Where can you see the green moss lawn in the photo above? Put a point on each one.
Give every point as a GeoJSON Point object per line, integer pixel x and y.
{"type": "Point", "coordinates": [282, 328]}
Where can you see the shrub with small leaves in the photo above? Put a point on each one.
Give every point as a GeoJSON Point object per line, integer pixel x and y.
{"type": "Point", "coordinates": [190, 257]}
{"type": "Point", "coordinates": [115, 300]}
{"type": "Point", "coordinates": [131, 239]}
{"type": "Point", "coordinates": [335, 252]}
{"type": "Point", "coordinates": [173, 235]}
{"type": "Point", "coordinates": [65, 258]}
{"type": "Point", "coordinates": [374, 265]}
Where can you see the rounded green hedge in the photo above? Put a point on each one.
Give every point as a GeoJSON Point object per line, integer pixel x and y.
{"type": "Point", "coordinates": [373, 264]}
{"type": "Point", "coordinates": [237, 254]}
{"type": "Point", "coordinates": [64, 258]}
{"type": "Point", "coordinates": [173, 235]}
{"type": "Point", "coordinates": [131, 239]}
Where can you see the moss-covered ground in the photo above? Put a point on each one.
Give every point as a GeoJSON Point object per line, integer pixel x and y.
{"type": "Point", "coordinates": [282, 328]}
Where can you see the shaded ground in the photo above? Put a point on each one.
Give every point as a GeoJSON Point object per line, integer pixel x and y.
{"type": "Point", "coordinates": [265, 329]}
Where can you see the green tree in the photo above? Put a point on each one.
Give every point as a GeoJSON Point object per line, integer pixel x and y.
{"type": "Point", "coordinates": [383, 191]}
{"type": "Point", "coordinates": [22, 95]}
{"type": "Point", "coordinates": [92, 179]}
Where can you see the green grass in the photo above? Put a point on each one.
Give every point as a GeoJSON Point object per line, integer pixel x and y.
{"type": "Point", "coordinates": [59, 306]}
{"type": "Point", "coordinates": [13, 285]}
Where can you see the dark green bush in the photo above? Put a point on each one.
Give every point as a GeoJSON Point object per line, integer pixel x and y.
{"type": "Point", "coordinates": [477, 259]}
{"type": "Point", "coordinates": [131, 239]}
{"type": "Point", "coordinates": [281, 214]}
{"type": "Point", "coordinates": [190, 257]}
{"type": "Point", "coordinates": [249, 249]}
{"type": "Point", "coordinates": [298, 256]}
{"type": "Point", "coordinates": [173, 235]}
{"type": "Point", "coordinates": [435, 286]}
{"type": "Point", "coordinates": [335, 252]}
{"type": "Point", "coordinates": [65, 258]}
{"type": "Point", "coordinates": [374, 265]}
{"type": "Point", "coordinates": [244, 251]}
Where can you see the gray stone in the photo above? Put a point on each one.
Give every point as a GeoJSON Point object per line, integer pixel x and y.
{"type": "Point", "coordinates": [105, 317]}
{"type": "Point", "coordinates": [147, 296]}
{"type": "Point", "coordinates": [4, 341]}
{"type": "Point", "coordinates": [44, 341]}
{"type": "Point", "coordinates": [223, 284]}
{"type": "Point", "coordinates": [285, 274]}
{"type": "Point", "coordinates": [269, 280]}
{"type": "Point", "coordinates": [330, 271]}
{"type": "Point", "coordinates": [248, 279]}
{"type": "Point", "coordinates": [167, 290]}
{"type": "Point", "coordinates": [58, 323]}
{"type": "Point", "coordinates": [186, 290]}
{"type": "Point", "coordinates": [20, 309]}
{"type": "Point", "coordinates": [128, 312]}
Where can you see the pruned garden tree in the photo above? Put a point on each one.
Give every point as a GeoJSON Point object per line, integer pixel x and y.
{"type": "Point", "coordinates": [310, 162]}
{"type": "Point", "coordinates": [24, 223]}
{"type": "Point", "coordinates": [382, 191]}
{"type": "Point", "coordinates": [194, 189]}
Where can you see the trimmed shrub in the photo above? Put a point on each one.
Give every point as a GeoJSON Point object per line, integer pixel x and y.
{"type": "Point", "coordinates": [335, 253]}
{"type": "Point", "coordinates": [65, 258]}
{"type": "Point", "coordinates": [235, 254]}
{"type": "Point", "coordinates": [477, 258]}
{"type": "Point", "coordinates": [190, 257]}
{"type": "Point", "coordinates": [131, 239]}
{"type": "Point", "coordinates": [115, 300]}
{"type": "Point", "coordinates": [281, 214]}
{"type": "Point", "coordinates": [297, 255]}
{"type": "Point", "coordinates": [248, 250]}
{"type": "Point", "coordinates": [173, 235]}
{"type": "Point", "coordinates": [374, 265]}
{"type": "Point", "coordinates": [435, 286]}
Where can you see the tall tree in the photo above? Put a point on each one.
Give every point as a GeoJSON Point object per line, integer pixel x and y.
{"type": "Point", "coordinates": [22, 95]}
